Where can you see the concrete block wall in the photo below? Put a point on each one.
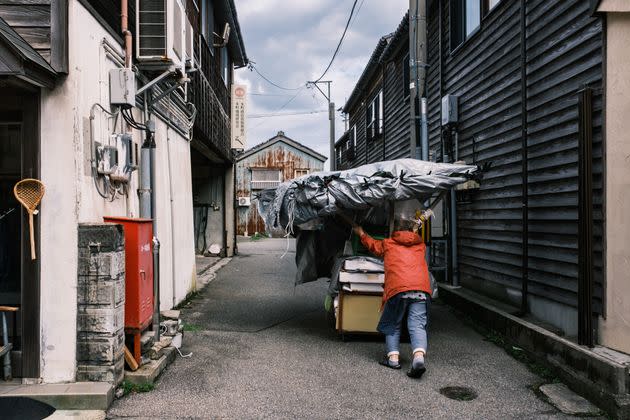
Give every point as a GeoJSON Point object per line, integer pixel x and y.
{"type": "Point", "coordinates": [101, 303]}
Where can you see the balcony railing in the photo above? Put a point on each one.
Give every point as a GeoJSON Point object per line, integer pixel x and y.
{"type": "Point", "coordinates": [211, 98]}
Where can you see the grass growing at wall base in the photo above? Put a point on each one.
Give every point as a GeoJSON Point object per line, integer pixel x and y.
{"type": "Point", "coordinates": [128, 387]}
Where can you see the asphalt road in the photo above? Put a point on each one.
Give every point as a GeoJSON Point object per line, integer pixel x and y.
{"type": "Point", "coordinates": [262, 349]}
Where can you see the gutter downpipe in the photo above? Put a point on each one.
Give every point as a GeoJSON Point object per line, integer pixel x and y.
{"type": "Point", "coordinates": [148, 207]}
{"type": "Point", "coordinates": [453, 217]}
{"type": "Point", "coordinates": [124, 26]}
{"type": "Point", "coordinates": [417, 58]}
{"type": "Point", "coordinates": [170, 190]}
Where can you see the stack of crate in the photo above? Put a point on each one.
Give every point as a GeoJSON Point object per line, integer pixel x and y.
{"type": "Point", "coordinates": [360, 294]}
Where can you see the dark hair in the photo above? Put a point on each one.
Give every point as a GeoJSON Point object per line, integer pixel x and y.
{"type": "Point", "coordinates": [402, 224]}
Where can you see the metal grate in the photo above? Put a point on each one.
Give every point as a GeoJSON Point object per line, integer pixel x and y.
{"type": "Point", "coordinates": [151, 28]}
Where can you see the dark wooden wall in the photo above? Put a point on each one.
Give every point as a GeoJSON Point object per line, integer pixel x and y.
{"type": "Point", "coordinates": [43, 24]}
{"type": "Point", "coordinates": [396, 107]}
{"type": "Point", "coordinates": [563, 52]}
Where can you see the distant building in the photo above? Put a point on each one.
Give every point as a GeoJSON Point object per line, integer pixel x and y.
{"type": "Point", "coordinates": [265, 166]}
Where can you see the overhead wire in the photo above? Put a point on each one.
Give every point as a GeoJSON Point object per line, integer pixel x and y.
{"type": "Point", "coordinates": [343, 35]}
{"type": "Point", "coordinates": [253, 67]}
{"type": "Point", "coordinates": [282, 107]}
{"type": "Point", "coordinates": [286, 114]}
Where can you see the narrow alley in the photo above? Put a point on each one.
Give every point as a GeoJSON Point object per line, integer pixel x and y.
{"type": "Point", "coordinates": [262, 348]}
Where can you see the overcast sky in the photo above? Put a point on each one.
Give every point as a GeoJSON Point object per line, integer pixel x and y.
{"type": "Point", "coordinates": [292, 41]}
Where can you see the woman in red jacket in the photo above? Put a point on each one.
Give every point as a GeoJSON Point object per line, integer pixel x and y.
{"type": "Point", "coordinates": [407, 291]}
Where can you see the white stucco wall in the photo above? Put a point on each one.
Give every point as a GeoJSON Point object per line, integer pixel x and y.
{"type": "Point", "coordinates": [615, 329]}
{"type": "Point", "coordinates": [71, 197]}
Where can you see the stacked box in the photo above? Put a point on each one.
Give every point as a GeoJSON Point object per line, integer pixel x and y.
{"type": "Point", "coordinates": [101, 303]}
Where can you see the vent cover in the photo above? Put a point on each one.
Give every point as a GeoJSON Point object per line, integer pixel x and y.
{"type": "Point", "coordinates": [152, 28]}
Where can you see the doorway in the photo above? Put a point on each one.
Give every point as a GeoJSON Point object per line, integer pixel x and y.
{"type": "Point", "coordinates": [19, 275]}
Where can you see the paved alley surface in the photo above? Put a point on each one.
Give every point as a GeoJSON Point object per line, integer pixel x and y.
{"type": "Point", "coordinates": [262, 349]}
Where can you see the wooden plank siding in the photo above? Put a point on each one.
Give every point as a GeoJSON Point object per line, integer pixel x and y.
{"type": "Point", "coordinates": [396, 108]}
{"type": "Point", "coordinates": [31, 19]}
{"type": "Point", "coordinates": [563, 47]}
{"type": "Point", "coordinates": [563, 53]}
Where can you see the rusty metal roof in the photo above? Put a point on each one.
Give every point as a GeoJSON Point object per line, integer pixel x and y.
{"type": "Point", "coordinates": [280, 137]}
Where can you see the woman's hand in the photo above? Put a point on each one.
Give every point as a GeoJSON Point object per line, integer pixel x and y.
{"type": "Point", "coordinates": [358, 230]}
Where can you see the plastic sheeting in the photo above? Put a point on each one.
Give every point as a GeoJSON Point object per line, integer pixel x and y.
{"type": "Point", "coordinates": [364, 193]}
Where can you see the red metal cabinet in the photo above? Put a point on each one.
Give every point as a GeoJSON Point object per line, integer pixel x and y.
{"type": "Point", "coordinates": [138, 272]}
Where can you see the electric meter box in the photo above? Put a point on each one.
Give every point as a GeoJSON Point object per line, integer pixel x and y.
{"type": "Point", "coordinates": [122, 87]}
{"type": "Point", "coordinates": [450, 112]}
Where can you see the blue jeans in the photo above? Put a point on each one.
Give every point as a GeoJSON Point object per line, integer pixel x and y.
{"type": "Point", "coordinates": [417, 320]}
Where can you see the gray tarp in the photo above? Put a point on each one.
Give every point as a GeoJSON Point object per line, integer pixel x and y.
{"type": "Point", "coordinates": [305, 206]}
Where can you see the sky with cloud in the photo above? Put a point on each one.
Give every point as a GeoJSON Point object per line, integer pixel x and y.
{"type": "Point", "coordinates": [292, 41]}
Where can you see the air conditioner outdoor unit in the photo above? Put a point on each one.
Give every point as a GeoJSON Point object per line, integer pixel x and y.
{"type": "Point", "coordinates": [161, 33]}
{"type": "Point", "coordinates": [244, 201]}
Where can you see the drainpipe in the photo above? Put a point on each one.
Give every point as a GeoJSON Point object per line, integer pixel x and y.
{"type": "Point", "coordinates": [424, 130]}
{"type": "Point", "coordinates": [148, 207]}
{"type": "Point", "coordinates": [453, 216]}
{"type": "Point", "coordinates": [170, 188]}
{"type": "Point", "coordinates": [418, 60]}
{"type": "Point", "coordinates": [124, 14]}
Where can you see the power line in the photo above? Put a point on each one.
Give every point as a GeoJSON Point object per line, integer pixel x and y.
{"type": "Point", "coordinates": [340, 42]}
{"type": "Point", "coordinates": [283, 105]}
{"type": "Point", "coordinates": [285, 95]}
{"type": "Point", "coordinates": [286, 114]}
{"type": "Point", "coordinates": [252, 67]}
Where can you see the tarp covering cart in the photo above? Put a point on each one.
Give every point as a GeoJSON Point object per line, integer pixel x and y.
{"type": "Point", "coordinates": [309, 207]}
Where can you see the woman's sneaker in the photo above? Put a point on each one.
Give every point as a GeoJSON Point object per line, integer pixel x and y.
{"type": "Point", "coordinates": [417, 368]}
{"type": "Point", "coordinates": [387, 362]}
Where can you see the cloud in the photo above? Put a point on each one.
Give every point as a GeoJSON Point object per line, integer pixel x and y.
{"type": "Point", "coordinates": [291, 42]}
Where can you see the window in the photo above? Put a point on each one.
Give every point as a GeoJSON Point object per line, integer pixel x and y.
{"type": "Point", "coordinates": [207, 23]}
{"type": "Point", "coordinates": [225, 66]}
{"type": "Point", "coordinates": [263, 178]}
{"type": "Point", "coordinates": [300, 172]}
{"type": "Point", "coordinates": [466, 18]}
{"type": "Point", "coordinates": [353, 136]}
{"type": "Point", "coordinates": [374, 117]}
{"type": "Point", "coordinates": [406, 76]}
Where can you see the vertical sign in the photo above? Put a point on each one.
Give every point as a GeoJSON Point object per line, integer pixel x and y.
{"type": "Point", "coordinates": [239, 111]}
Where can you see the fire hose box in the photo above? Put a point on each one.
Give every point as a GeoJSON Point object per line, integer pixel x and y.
{"type": "Point", "coordinates": [138, 272]}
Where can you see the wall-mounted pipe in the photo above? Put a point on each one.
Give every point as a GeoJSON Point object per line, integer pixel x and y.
{"type": "Point", "coordinates": [453, 216]}
{"type": "Point", "coordinates": [124, 25]}
{"type": "Point", "coordinates": [417, 63]}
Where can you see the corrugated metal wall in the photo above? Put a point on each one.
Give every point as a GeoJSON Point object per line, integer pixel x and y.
{"type": "Point", "coordinates": [564, 52]}
{"type": "Point", "coordinates": [278, 155]}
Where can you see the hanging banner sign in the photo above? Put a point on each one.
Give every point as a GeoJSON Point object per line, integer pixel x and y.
{"type": "Point", "coordinates": [239, 113]}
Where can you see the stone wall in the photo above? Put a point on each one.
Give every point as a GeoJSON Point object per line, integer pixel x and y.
{"type": "Point", "coordinates": [101, 303]}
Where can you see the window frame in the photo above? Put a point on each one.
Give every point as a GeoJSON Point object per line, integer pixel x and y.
{"type": "Point", "coordinates": [406, 77]}
{"type": "Point", "coordinates": [305, 170]}
{"type": "Point", "coordinates": [374, 121]}
{"type": "Point", "coordinates": [457, 9]}
{"type": "Point", "coordinates": [207, 31]}
{"type": "Point", "coordinates": [225, 66]}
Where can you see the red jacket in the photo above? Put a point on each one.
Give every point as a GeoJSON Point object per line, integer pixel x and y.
{"type": "Point", "coordinates": [405, 264]}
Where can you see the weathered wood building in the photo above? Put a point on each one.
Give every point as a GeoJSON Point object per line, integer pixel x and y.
{"type": "Point", "coordinates": [518, 69]}
{"type": "Point", "coordinates": [267, 165]}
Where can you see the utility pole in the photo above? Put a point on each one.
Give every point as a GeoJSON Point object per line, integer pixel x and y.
{"type": "Point", "coordinates": [331, 118]}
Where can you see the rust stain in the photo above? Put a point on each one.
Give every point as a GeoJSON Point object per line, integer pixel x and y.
{"type": "Point", "coordinates": [279, 157]}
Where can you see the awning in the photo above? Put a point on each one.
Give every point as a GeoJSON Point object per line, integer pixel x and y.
{"type": "Point", "coordinates": [19, 59]}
